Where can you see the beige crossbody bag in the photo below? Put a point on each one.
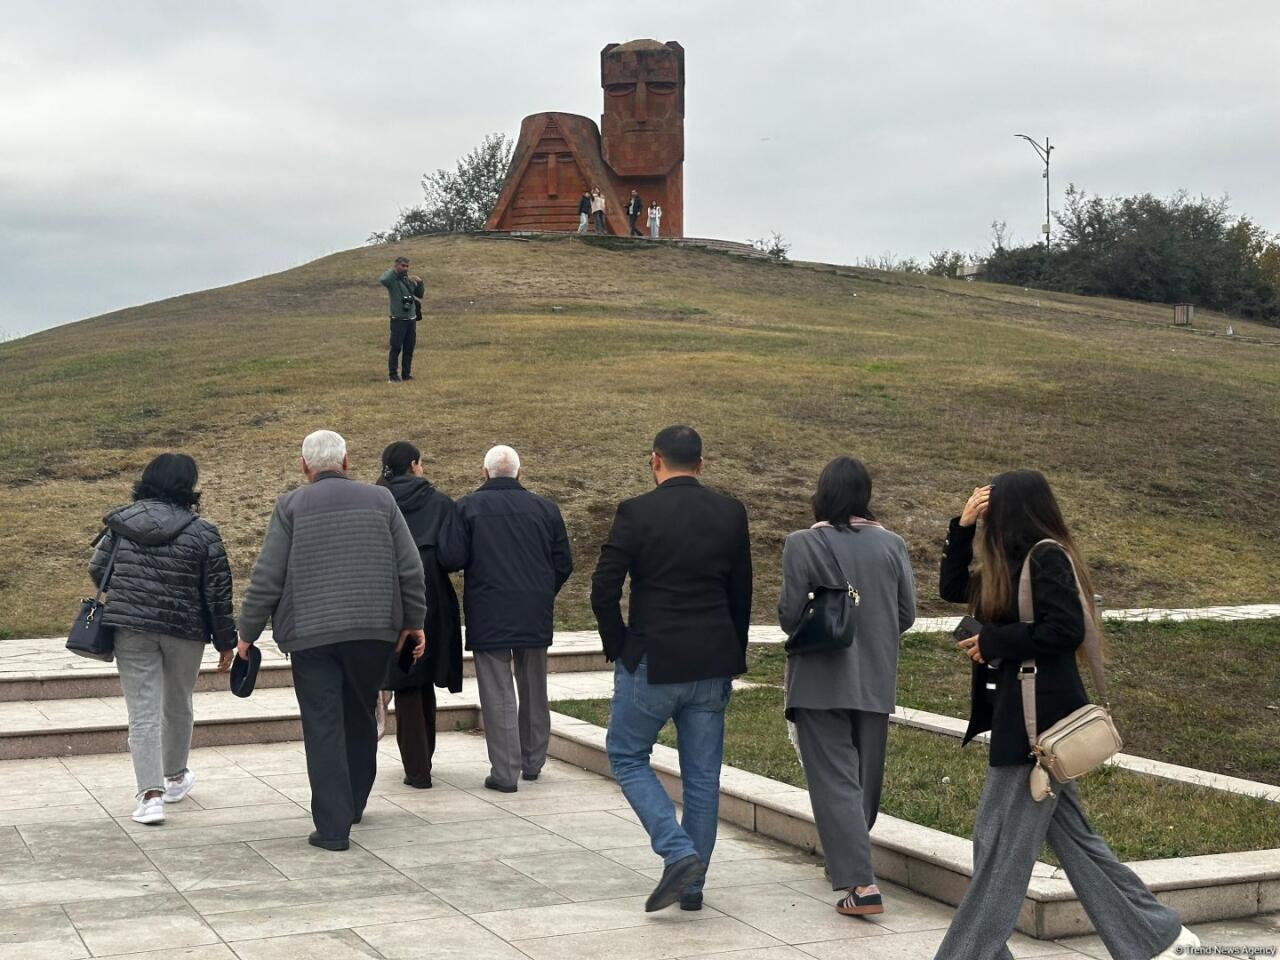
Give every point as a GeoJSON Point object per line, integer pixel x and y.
{"type": "Point", "coordinates": [1084, 739]}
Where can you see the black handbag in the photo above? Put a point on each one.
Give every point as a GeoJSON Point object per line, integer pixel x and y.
{"type": "Point", "coordinates": [830, 618]}
{"type": "Point", "coordinates": [89, 636]}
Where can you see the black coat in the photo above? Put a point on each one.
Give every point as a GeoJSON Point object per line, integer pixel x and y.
{"type": "Point", "coordinates": [1052, 639]}
{"type": "Point", "coordinates": [171, 573]}
{"type": "Point", "coordinates": [514, 549]}
{"type": "Point", "coordinates": [688, 552]}
{"type": "Point", "coordinates": [584, 206]}
{"type": "Point", "coordinates": [429, 513]}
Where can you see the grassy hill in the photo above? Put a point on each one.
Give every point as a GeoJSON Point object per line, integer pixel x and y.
{"type": "Point", "coordinates": [1161, 443]}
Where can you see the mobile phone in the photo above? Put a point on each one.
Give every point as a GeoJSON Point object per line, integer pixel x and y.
{"type": "Point", "coordinates": [968, 627]}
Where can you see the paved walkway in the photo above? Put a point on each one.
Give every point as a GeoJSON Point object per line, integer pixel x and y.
{"type": "Point", "coordinates": [558, 871]}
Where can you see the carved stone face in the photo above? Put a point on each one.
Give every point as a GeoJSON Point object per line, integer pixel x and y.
{"type": "Point", "coordinates": [642, 128]}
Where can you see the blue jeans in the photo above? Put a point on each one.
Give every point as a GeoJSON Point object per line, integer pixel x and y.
{"type": "Point", "coordinates": [640, 709]}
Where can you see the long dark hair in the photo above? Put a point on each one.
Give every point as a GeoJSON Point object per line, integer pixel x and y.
{"type": "Point", "coordinates": [1021, 512]}
{"type": "Point", "coordinates": [844, 491]}
{"type": "Point", "coordinates": [397, 460]}
{"type": "Point", "coordinates": [171, 477]}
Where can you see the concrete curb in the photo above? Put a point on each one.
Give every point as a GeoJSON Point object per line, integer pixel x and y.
{"type": "Point", "coordinates": [939, 865]}
{"type": "Point", "coordinates": [266, 727]}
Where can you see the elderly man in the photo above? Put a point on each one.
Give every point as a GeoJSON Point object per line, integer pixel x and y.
{"type": "Point", "coordinates": [340, 578]}
{"type": "Point", "coordinates": [514, 549]}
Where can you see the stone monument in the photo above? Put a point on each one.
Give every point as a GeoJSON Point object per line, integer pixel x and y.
{"type": "Point", "coordinates": [638, 146]}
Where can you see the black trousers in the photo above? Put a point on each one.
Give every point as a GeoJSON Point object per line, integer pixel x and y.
{"type": "Point", "coordinates": [416, 731]}
{"type": "Point", "coordinates": [337, 687]}
{"type": "Point", "coordinates": [631, 222]}
{"type": "Point", "coordinates": [404, 337]}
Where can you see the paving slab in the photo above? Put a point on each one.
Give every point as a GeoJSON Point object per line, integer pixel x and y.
{"type": "Point", "coordinates": [456, 871]}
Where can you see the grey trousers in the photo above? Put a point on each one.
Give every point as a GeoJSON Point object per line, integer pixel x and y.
{"type": "Point", "coordinates": [842, 752]}
{"type": "Point", "coordinates": [1008, 832]}
{"type": "Point", "coordinates": [158, 674]}
{"type": "Point", "coordinates": [516, 732]}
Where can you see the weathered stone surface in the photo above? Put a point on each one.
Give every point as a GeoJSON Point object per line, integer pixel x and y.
{"type": "Point", "coordinates": [638, 146]}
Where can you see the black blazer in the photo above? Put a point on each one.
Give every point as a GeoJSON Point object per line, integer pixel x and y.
{"type": "Point", "coordinates": [1051, 639]}
{"type": "Point", "coordinates": [688, 552]}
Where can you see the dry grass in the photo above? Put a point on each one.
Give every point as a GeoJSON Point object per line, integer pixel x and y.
{"type": "Point", "coordinates": [1156, 440]}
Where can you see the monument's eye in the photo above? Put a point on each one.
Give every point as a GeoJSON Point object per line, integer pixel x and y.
{"type": "Point", "coordinates": [662, 89]}
{"type": "Point", "coordinates": [620, 89]}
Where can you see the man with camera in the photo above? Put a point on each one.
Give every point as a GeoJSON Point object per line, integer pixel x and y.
{"type": "Point", "coordinates": [406, 293]}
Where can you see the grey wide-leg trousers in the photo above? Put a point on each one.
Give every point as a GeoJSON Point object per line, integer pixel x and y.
{"type": "Point", "coordinates": [1008, 833]}
{"type": "Point", "coordinates": [517, 720]}
{"type": "Point", "coordinates": [842, 752]}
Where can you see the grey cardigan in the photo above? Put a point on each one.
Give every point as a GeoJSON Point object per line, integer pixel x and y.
{"type": "Point", "coordinates": [338, 563]}
{"type": "Point", "coordinates": [865, 676]}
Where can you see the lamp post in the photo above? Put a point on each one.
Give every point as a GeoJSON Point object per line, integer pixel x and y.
{"type": "Point", "coordinates": [1043, 153]}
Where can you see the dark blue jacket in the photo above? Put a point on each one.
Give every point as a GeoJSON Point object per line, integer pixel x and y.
{"type": "Point", "coordinates": [514, 550]}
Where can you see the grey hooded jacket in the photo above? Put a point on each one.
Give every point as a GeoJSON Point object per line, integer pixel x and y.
{"type": "Point", "coordinates": [171, 574]}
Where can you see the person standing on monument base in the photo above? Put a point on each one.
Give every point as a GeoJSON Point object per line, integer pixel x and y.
{"type": "Point", "coordinates": [635, 207]}
{"type": "Point", "coordinates": [688, 553]}
{"type": "Point", "coordinates": [584, 211]}
{"type": "Point", "coordinates": [597, 210]}
{"type": "Point", "coordinates": [405, 292]}
{"type": "Point", "coordinates": [513, 549]}
{"type": "Point", "coordinates": [340, 579]}
{"type": "Point", "coordinates": [655, 220]}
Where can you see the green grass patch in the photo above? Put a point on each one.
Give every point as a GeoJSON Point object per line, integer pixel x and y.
{"type": "Point", "coordinates": [1140, 817]}
{"type": "Point", "coordinates": [935, 384]}
{"type": "Point", "coordinates": [1191, 693]}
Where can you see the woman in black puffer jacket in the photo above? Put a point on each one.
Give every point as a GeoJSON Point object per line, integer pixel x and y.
{"type": "Point", "coordinates": [169, 594]}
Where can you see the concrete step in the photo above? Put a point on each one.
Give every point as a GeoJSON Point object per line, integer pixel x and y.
{"type": "Point", "coordinates": [42, 669]}
{"type": "Point", "coordinates": [87, 725]}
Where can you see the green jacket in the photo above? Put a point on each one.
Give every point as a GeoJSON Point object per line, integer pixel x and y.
{"type": "Point", "coordinates": [398, 288]}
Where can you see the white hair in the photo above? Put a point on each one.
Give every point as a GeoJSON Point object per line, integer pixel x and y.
{"type": "Point", "coordinates": [502, 461]}
{"type": "Point", "coordinates": [324, 450]}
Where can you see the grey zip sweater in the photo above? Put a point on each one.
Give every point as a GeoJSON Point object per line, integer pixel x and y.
{"type": "Point", "coordinates": [338, 563]}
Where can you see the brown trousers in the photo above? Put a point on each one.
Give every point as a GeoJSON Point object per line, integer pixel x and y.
{"type": "Point", "coordinates": [416, 731]}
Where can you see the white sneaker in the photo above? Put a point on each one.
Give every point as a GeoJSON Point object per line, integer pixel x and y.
{"type": "Point", "coordinates": [1180, 945]}
{"type": "Point", "coordinates": [150, 811]}
{"type": "Point", "coordinates": [177, 790]}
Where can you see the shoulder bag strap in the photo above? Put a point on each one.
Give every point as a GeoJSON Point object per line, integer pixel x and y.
{"type": "Point", "coordinates": [853, 590]}
{"type": "Point", "coordinates": [111, 565]}
{"type": "Point", "coordinates": [1092, 642]}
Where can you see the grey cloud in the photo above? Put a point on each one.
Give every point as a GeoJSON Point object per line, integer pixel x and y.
{"type": "Point", "coordinates": [153, 148]}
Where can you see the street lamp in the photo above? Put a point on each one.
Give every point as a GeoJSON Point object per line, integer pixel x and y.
{"type": "Point", "coordinates": [1043, 154]}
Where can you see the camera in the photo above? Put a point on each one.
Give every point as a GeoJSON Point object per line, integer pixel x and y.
{"type": "Point", "coordinates": [407, 302]}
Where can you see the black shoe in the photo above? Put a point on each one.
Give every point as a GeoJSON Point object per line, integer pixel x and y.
{"type": "Point", "coordinates": [418, 784]}
{"type": "Point", "coordinates": [691, 901]}
{"type": "Point", "coordinates": [492, 784]}
{"type": "Point", "coordinates": [866, 905]}
{"type": "Point", "coordinates": [676, 879]}
{"type": "Point", "coordinates": [532, 776]}
{"type": "Point", "coordinates": [406, 378]}
{"type": "Point", "coordinates": [326, 844]}
{"type": "Point", "coordinates": [392, 378]}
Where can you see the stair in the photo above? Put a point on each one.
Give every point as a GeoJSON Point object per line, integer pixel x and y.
{"type": "Point", "coordinates": [55, 704]}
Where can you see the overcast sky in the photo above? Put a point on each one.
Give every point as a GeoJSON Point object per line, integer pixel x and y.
{"type": "Point", "coordinates": [153, 148]}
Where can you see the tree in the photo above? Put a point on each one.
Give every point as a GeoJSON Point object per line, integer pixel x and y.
{"type": "Point", "coordinates": [457, 200]}
{"type": "Point", "coordinates": [1180, 249]}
